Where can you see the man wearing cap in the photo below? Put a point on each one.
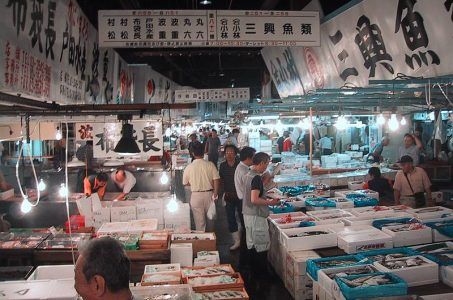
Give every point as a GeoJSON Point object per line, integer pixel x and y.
{"type": "Point", "coordinates": [411, 183]}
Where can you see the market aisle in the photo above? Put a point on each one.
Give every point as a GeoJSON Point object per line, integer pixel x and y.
{"type": "Point", "coordinates": [259, 289]}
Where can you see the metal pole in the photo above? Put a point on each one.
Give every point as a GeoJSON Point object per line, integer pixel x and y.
{"type": "Point", "coordinates": [311, 142]}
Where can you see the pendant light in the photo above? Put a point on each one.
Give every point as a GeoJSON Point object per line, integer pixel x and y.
{"type": "Point", "coordinates": [127, 145]}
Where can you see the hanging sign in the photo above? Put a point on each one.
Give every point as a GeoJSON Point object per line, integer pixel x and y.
{"type": "Point", "coordinates": [207, 28]}
{"type": "Point", "coordinates": [83, 131]}
{"type": "Point", "coordinates": [213, 95]}
{"type": "Point", "coordinates": [148, 135]}
{"type": "Point", "coordinates": [372, 40]}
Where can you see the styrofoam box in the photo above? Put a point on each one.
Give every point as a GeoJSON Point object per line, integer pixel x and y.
{"type": "Point", "coordinates": [100, 217]}
{"type": "Point", "coordinates": [295, 223]}
{"type": "Point", "coordinates": [438, 197]}
{"type": "Point", "coordinates": [150, 209]}
{"type": "Point", "coordinates": [61, 289]}
{"type": "Point", "coordinates": [327, 283]}
{"type": "Point", "coordinates": [410, 237]}
{"type": "Point", "coordinates": [212, 255]}
{"type": "Point", "coordinates": [123, 211]}
{"type": "Point", "coordinates": [317, 213]}
{"type": "Point", "coordinates": [334, 227]}
{"type": "Point", "coordinates": [368, 220]}
{"type": "Point", "coordinates": [363, 241]}
{"type": "Point", "coordinates": [292, 214]}
{"type": "Point", "coordinates": [296, 261]}
{"type": "Point", "coordinates": [446, 275]}
{"type": "Point", "coordinates": [308, 242]}
{"type": "Point", "coordinates": [400, 208]}
{"type": "Point", "coordinates": [439, 237]}
{"type": "Point", "coordinates": [342, 193]}
{"type": "Point", "coordinates": [370, 211]}
{"type": "Point", "coordinates": [332, 219]}
{"type": "Point", "coordinates": [140, 226]}
{"type": "Point", "coordinates": [415, 276]}
{"type": "Point", "coordinates": [207, 261]}
{"type": "Point", "coordinates": [181, 253]}
{"type": "Point", "coordinates": [428, 213]}
{"type": "Point", "coordinates": [113, 227]}
{"type": "Point", "coordinates": [342, 203]}
{"type": "Point", "coordinates": [299, 285]}
{"type": "Point", "coordinates": [355, 185]}
{"type": "Point", "coordinates": [153, 269]}
{"type": "Point", "coordinates": [52, 272]}
{"type": "Point", "coordinates": [7, 194]}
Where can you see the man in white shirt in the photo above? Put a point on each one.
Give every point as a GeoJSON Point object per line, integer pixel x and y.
{"type": "Point", "coordinates": [325, 143]}
{"type": "Point", "coordinates": [204, 180]}
{"type": "Point", "coordinates": [124, 180]}
{"type": "Point", "coordinates": [246, 158]}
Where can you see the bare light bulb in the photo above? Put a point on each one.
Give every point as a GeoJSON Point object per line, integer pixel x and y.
{"type": "Point", "coordinates": [172, 205]}
{"type": "Point", "coordinates": [403, 121]}
{"type": "Point", "coordinates": [380, 120]}
{"type": "Point", "coordinates": [393, 123]}
{"type": "Point", "coordinates": [63, 191]}
{"type": "Point", "coordinates": [42, 185]}
{"type": "Point", "coordinates": [25, 207]}
{"type": "Point", "coordinates": [58, 135]}
{"type": "Point", "coordinates": [341, 123]}
{"type": "Point", "coordinates": [164, 178]}
{"type": "Point", "coordinates": [168, 132]}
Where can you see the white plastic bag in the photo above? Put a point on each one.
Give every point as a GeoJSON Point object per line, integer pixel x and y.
{"type": "Point", "coordinates": [211, 214]}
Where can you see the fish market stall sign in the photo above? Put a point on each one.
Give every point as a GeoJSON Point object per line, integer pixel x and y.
{"type": "Point", "coordinates": [49, 51]}
{"type": "Point", "coordinates": [207, 28]}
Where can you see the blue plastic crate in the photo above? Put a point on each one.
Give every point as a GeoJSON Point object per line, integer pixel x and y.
{"type": "Point", "coordinates": [314, 265]}
{"type": "Point", "coordinates": [398, 287]}
{"type": "Point", "coordinates": [361, 200]}
{"type": "Point", "coordinates": [320, 202]}
{"type": "Point", "coordinates": [282, 209]}
{"type": "Point", "coordinates": [444, 227]}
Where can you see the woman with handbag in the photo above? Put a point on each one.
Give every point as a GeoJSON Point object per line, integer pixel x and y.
{"type": "Point", "coordinates": [411, 184]}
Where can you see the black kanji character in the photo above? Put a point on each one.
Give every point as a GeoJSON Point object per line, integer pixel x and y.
{"type": "Point", "coordinates": [19, 13]}
{"type": "Point", "coordinates": [174, 35]}
{"type": "Point", "coordinates": [123, 22]}
{"type": "Point", "coordinates": [269, 28]}
{"type": "Point", "coordinates": [414, 33]}
{"type": "Point", "coordinates": [94, 64]}
{"type": "Point", "coordinates": [149, 139]}
{"type": "Point", "coordinates": [174, 22]}
{"type": "Point", "coordinates": [83, 62]}
{"type": "Point", "coordinates": [50, 31]}
{"type": "Point", "coordinates": [371, 45]}
{"type": "Point", "coordinates": [111, 35]}
{"type": "Point", "coordinates": [111, 22]}
{"type": "Point", "coordinates": [162, 22]}
{"type": "Point", "coordinates": [335, 39]}
{"type": "Point", "coordinates": [200, 35]}
{"type": "Point", "coordinates": [65, 40]}
{"type": "Point", "coordinates": [199, 22]}
{"type": "Point", "coordinates": [162, 35]}
{"type": "Point", "coordinates": [287, 28]}
{"type": "Point", "coordinates": [305, 28]}
{"type": "Point", "coordinates": [37, 17]}
{"type": "Point", "coordinates": [124, 35]}
{"type": "Point", "coordinates": [187, 35]}
{"type": "Point", "coordinates": [187, 22]}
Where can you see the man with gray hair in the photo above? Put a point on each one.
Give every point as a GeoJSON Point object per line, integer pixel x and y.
{"type": "Point", "coordinates": [102, 271]}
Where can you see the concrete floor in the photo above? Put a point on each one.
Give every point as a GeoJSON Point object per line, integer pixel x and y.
{"type": "Point", "coordinates": [270, 287]}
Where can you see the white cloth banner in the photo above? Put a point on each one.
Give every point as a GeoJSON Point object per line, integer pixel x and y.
{"type": "Point", "coordinates": [374, 39]}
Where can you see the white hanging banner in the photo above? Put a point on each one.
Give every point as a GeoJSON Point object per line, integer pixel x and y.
{"type": "Point", "coordinates": [373, 40]}
{"type": "Point", "coordinates": [148, 135]}
{"type": "Point", "coordinates": [207, 28]}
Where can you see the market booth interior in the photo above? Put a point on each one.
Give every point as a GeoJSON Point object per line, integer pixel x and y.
{"type": "Point", "coordinates": [226, 150]}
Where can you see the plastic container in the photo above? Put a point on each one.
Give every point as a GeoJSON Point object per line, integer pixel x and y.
{"type": "Point", "coordinates": [52, 272]}
{"type": "Point", "coordinates": [314, 265]}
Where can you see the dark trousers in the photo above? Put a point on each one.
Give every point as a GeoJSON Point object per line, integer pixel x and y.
{"type": "Point", "coordinates": [326, 151]}
{"type": "Point", "coordinates": [231, 207]}
{"type": "Point", "coordinates": [214, 159]}
{"type": "Point", "coordinates": [258, 263]}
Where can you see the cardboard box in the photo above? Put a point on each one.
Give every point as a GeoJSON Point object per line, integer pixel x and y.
{"type": "Point", "coordinates": [123, 211]}
{"type": "Point", "coordinates": [200, 241]}
{"type": "Point", "coordinates": [329, 239]}
{"type": "Point", "coordinates": [364, 241]}
{"type": "Point", "coordinates": [182, 253]}
{"type": "Point", "coordinates": [417, 275]}
{"type": "Point", "coordinates": [410, 237]}
{"type": "Point", "coordinates": [100, 217]}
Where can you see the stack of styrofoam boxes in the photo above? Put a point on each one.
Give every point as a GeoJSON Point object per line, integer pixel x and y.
{"type": "Point", "coordinates": [430, 213]}
{"type": "Point", "coordinates": [331, 216]}
{"type": "Point", "coordinates": [266, 146]}
{"type": "Point", "coordinates": [353, 239]}
{"type": "Point", "coordinates": [151, 209]}
{"type": "Point", "coordinates": [297, 282]}
{"type": "Point", "coordinates": [275, 250]}
{"type": "Point", "coordinates": [329, 161]}
{"type": "Point", "coordinates": [181, 253]}
{"type": "Point", "coordinates": [178, 220]}
{"type": "Point", "coordinates": [343, 158]}
{"type": "Point", "coordinates": [308, 242]}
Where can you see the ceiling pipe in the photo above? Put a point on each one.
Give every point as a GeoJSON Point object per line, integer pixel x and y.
{"type": "Point", "coordinates": [21, 101]}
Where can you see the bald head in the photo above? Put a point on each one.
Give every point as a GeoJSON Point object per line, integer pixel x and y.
{"type": "Point", "coordinates": [120, 175]}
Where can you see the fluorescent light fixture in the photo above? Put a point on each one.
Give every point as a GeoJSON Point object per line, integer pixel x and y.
{"type": "Point", "coordinates": [127, 145]}
{"type": "Point", "coordinates": [263, 118]}
{"type": "Point", "coordinates": [393, 123]}
{"type": "Point", "coordinates": [349, 93]}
